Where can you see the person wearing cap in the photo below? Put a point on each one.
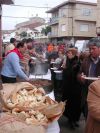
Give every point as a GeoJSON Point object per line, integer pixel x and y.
{"type": "Point", "coordinates": [71, 88]}
{"type": "Point", "coordinates": [90, 67]}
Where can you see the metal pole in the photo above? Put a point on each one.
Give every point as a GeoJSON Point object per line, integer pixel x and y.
{"type": "Point", "coordinates": [73, 38]}
{"type": "Point", "coordinates": [0, 36]}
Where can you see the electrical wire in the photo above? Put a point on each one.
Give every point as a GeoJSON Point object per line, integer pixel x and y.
{"type": "Point", "coordinates": [51, 8]}
{"type": "Point", "coordinates": [15, 17]}
{"type": "Point", "coordinates": [29, 6]}
{"type": "Point", "coordinates": [46, 17]}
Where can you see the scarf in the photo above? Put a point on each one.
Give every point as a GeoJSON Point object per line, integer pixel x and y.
{"type": "Point", "coordinates": [17, 52]}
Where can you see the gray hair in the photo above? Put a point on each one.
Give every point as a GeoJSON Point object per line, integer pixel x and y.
{"type": "Point", "coordinates": [94, 42]}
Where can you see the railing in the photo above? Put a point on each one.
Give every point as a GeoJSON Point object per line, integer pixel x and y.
{"type": "Point", "coordinates": [53, 20]}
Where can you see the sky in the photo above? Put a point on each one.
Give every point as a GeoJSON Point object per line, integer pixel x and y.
{"type": "Point", "coordinates": [9, 23]}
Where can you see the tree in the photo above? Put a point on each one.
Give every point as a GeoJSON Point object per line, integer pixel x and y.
{"type": "Point", "coordinates": [23, 34]}
{"type": "Point", "coordinates": [46, 30]}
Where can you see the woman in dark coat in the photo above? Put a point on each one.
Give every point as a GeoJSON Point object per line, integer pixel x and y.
{"type": "Point", "coordinates": [71, 88]}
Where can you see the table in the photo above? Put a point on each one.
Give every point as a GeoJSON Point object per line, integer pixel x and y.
{"type": "Point", "coordinates": [54, 126]}
{"type": "Point", "coordinates": [47, 76]}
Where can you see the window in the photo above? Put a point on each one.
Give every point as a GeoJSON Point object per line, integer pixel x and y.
{"type": "Point", "coordinates": [86, 12]}
{"type": "Point", "coordinates": [55, 15]}
{"type": "Point", "coordinates": [84, 27]}
{"type": "Point", "coordinates": [63, 13]}
{"type": "Point", "coordinates": [54, 31]}
{"type": "Point", "coordinates": [63, 27]}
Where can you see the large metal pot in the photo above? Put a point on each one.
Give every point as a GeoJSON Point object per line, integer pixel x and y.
{"type": "Point", "coordinates": [39, 68]}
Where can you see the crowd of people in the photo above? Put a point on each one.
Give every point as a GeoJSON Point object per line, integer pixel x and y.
{"type": "Point", "coordinates": [70, 83]}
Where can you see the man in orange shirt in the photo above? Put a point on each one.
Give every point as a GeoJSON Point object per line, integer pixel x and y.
{"type": "Point", "coordinates": [50, 47]}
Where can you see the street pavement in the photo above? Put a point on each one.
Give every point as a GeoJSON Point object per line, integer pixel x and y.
{"type": "Point", "coordinates": [63, 121]}
{"type": "Point", "coordinates": [65, 128]}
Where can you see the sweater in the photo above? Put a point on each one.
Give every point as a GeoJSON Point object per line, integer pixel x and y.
{"type": "Point", "coordinates": [12, 68]}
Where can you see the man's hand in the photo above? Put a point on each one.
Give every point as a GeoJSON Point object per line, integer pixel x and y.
{"type": "Point", "coordinates": [81, 78]}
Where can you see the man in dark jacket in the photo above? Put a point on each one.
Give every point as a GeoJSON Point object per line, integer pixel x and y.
{"type": "Point", "coordinates": [90, 67]}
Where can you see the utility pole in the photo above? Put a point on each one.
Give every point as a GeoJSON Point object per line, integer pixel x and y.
{"type": "Point", "coordinates": [71, 22]}
{"type": "Point", "coordinates": [98, 13]}
{"type": "Point", "coordinates": [72, 31]}
{"type": "Point", "coordinates": [98, 19]}
{"type": "Point", "coordinates": [73, 40]}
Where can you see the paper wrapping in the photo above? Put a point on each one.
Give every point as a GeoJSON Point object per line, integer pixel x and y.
{"type": "Point", "coordinates": [52, 111]}
{"type": "Point", "coordinates": [10, 124]}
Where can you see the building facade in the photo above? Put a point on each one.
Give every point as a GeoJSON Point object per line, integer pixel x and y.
{"type": "Point", "coordinates": [31, 23]}
{"type": "Point", "coordinates": [73, 20]}
{"type": "Point", "coordinates": [29, 27]}
{"type": "Point", "coordinates": [98, 18]}
{"type": "Point", "coordinates": [39, 36]}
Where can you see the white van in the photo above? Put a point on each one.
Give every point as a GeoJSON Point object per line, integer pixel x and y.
{"type": "Point", "coordinates": [81, 45]}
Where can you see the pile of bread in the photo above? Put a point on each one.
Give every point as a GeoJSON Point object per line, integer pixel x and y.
{"type": "Point", "coordinates": [30, 104]}
{"type": "Point", "coordinates": [28, 98]}
{"type": "Point", "coordinates": [31, 116]}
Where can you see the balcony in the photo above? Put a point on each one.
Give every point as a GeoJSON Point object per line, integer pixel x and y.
{"type": "Point", "coordinates": [6, 2]}
{"type": "Point", "coordinates": [54, 21]}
